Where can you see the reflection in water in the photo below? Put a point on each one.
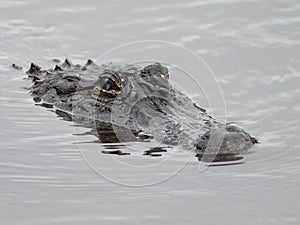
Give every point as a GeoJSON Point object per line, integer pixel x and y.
{"type": "Point", "coordinates": [155, 151]}
{"type": "Point", "coordinates": [253, 48]}
{"type": "Point", "coordinates": [110, 140]}
{"type": "Point", "coordinates": [115, 152]}
{"type": "Point", "coordinates": [221, 157]}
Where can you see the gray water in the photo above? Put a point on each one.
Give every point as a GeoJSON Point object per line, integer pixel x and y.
{"type": "Point", "coordinates": [51, 173]}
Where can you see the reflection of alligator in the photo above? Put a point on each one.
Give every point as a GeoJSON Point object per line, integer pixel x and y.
{"type": "Point", "coordinates": [134, 103]}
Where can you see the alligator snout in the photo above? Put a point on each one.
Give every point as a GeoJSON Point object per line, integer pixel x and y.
{"type": "Point", "coordinates": [225, 139]}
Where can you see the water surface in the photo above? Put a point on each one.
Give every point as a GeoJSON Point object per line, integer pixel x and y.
{"type": "Point", "coordinates": [251, 46]}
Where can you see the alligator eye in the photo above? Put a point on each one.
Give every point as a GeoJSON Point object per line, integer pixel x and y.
{"type": "Point", "coordinates": [108, 85]}
{"type": "Point", "coordinates": [112, 85]}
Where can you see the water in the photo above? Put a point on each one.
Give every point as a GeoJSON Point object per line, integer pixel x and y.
{"type": "Point", "coordinates": [48, 175]}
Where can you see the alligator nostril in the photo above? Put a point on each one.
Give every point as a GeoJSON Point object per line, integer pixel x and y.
{"type": "Point", "coordinates": [230, 139]}
{"type": "Point", "coordinates": [165, 76]}
{"type": "Point", "coordinates": [254, 140]}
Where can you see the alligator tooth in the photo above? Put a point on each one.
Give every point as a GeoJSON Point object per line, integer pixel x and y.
{"type": "Point", "coordinates": [34, 68]}
{"type": "Point", "coordinates": [58, 68]}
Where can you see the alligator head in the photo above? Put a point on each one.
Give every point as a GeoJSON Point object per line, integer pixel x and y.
{"type": "Point", "coordinates": [138, 99]}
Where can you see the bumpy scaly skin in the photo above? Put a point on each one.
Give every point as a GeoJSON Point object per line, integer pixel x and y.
{"type": "Point", "coordinates": [139, 100]}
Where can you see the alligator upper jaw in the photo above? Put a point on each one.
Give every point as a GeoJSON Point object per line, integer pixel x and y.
{"type": "Point", "coordinates": [227, 139]}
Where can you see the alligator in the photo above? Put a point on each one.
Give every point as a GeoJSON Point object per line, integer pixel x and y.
{"type": "Point", "coordinates": [134, 102]}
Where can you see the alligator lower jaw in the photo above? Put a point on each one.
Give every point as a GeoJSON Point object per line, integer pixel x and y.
{"type": "Point", "coordinates": [224, 140]}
